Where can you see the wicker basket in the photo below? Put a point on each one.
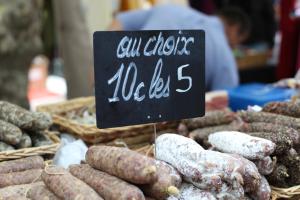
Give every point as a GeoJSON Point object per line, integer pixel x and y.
{"type": "Point", "coordinates": [33, 151]}
{"type": "Point", "coordinates": [292, 193]}
{"type": "Point", "coordinates": [66, 106]}
{"type": "Point", "coordinates": [90, 133]}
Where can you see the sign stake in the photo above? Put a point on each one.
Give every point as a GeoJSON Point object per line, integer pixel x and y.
{"type": "Point", "coordinates": [155, 136]}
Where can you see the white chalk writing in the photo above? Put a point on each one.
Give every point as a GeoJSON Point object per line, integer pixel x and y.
{"type": "Point", "coordinates": [160, 45]}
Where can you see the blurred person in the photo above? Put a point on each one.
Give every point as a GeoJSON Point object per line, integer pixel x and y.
{"type": "Point", "coordinates": [20, 42]}
{"type": "Point", "coordinates": [229, 28]}
{"type": "Point", "coordinates": [262, 16]}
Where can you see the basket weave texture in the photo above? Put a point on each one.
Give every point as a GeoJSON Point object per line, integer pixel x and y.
{"type": "Point", "coordinates": [32, 151]}
{"type": "Point", "coordinates": [90, 133]}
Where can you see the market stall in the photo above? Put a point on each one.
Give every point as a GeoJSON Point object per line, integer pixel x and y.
{"type": "Point", "coordinates": [163, 117]}
{"type": "Point", "coordinates": [224, 155]}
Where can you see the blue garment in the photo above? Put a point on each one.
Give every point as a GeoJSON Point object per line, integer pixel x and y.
{"type": "Point", "coordinates": [220, 65]}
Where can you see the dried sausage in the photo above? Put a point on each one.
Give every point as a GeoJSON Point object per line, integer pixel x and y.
{"type": "Point", "coordinates": [123, 163]}
{"type": "Point", "coordinates": [107, 186]}
{"type": "Point", "coordinates": [242, 144]}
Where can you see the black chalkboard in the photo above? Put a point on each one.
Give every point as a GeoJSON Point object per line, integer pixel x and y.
{"type": "Point", "coordinates": [148, 76]}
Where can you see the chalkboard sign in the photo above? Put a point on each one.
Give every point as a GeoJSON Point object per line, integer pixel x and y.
{"type": "Point", "coordinates": [148, 76]}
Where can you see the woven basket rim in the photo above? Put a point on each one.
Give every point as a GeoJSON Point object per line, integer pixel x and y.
{"type": "Point", "coordinates": [285, 193]}
{"type": "Point", "coordinates": [32, 151]}
{"type": "Point", "coordinates": [90, 133]}
{"type": "Point", "coordinates": [92, 129]}
{"type": "Point", "coordinates": [65, 106]}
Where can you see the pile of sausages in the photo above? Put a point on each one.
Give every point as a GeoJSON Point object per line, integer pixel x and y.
{"type": "Point", "coordinates": [19, 175]}
{"type": "Point", "coordinates": [111, 173]}
{"type": "Point", "coordinates": [182, 170]}
{"type": "Point", "coordinates": [217, 175]}
{"type": "Point", "coordinates": [20, 128]}
{"type": "Point", "coordinates": [222, 156]}
{"type": "Point", "coordinates": [278, 122]}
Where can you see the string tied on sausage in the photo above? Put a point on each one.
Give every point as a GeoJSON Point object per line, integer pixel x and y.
{"type": "Point", "coordinates": [52, 173]}
{"type": "Point", "coordinates": [122, 143]}
{"type": "Point", "coordinates": [29, 188]}
{"type": "Point", "coordinates": [150, 150]}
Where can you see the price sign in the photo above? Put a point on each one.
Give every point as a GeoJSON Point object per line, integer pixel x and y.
{"type": "Point", "coordinates": [148, 76]}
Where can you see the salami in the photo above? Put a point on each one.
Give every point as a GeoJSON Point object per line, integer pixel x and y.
{"type": "Point", "coordinates": [107, 186]}
{"type": "Point", "coordinates": [34, 162]}
{"type": "Point", "coordinates": [212, 118]}
{"type": "Point", "coordinates": [40, 192]}
{"type": "Point", "coordinates": [292, 162]}
{"type": "Point", "coordinates": [271, 128]}
{"type": "Point", "coordinates": [279, 176]}
{"type": "Point", "coordinates": [265, 166]}
{"type": "Point", "coordinates": [16, 198]}
{"type": "Point", "coordinates": [263, 192]}
{"type": "Point", "coordinates": [41, 121]}
{"type": "Point", "coordinates": [291, 158]}
{"type": "Point", "coordinates": [294, 178]}
{"type": "Point", "coordinates": [25, 141]}
{"type": "Point", "coordinates": [167, 183]}
{"type": "Point", "coordinates": [148, 198]}
{"type": "Point", "coordinates": [23, 118]}
{"type": "Point", "coordinates": [19, 178]}
{"type": "Point", "coordinates": [123, 163]}
{"type": "Point", "coordinates": [240, 143]}
{"type": "Point", "coordinates": [228, 192]}
{"type": "Point", "coordinates": [15, 115]}
{"type": "Point", "coordinates": [203, 168]}
{"type": "Point", "coordinates": [283, 142]}
{"type": "Point", "coordinates": [9, 133]}
{"type": "Point", "coordinates": [40, 138]}
{"type": "Point", "coordinates": [17, 190]}
{"type": "Point", "coordinates": [247, 197]}
{"type": "Point", "coordinates": [283, 108]}
{"type": "Point", "coordinates": [201, 134]}
{"type": "Point", "coordinates": [272, 118]}
{"type": "Point", "coordinates": [67, 187]}
{"type": "Point", "coordinates": [5, 147]}
{"type": "Point", "coordinates": [251, 177]}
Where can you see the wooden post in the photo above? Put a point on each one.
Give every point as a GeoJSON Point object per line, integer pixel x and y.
{"type": "Point", "coordinates": [75, 47]}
